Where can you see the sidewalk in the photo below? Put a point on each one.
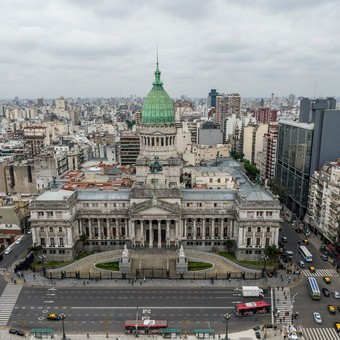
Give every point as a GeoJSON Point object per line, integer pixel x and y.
{"type": "Point", "coordinates": [244, 335]}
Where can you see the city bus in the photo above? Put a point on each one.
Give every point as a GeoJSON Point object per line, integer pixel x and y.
{"type": "Point", "coordinates": [305, 253]}
{"type": "Point", "coordinates": [144, 326]}
{"type": "Point", "coordinates": [249, 308]}
{"type": "Point", "coordinates": [313, 288]}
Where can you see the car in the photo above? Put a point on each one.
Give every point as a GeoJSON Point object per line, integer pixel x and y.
{"type": "Point", "coordinates": [20, 332]}
{"type": "Point", "coordinates": [336, 294]}
{"type": "Point", "coordinates": [324, 257]}
{"type": "Point", "coordinates": [13, 331]}
{"type": "Point", "coordinates": [311, 269]}
{"type": "Point", "coordinates": [325, 292]}
{"type": "Point", "coordinates": [327, 280]}
{"type": "Point", "coordinates": [284, 239]}
{"type": "Point", "coordinates": [29, 231]}
{"type": "Point", "coordinates": [317, 317]}
{"type": "Point", "coordinates": [339, 308]}
{"type": "Point", "coordinates": [19, 239]}
{"type": "Point", "coordinates": [337, 326]}
{"type": "Point", "coordinates": [53, 316]}
{"type": "Point", "coordinates": [8, 250]}
{"type": "Point", "coordinates": [331, 309]}
{"type": "Point", "coordinates": [306, 242]}
{"type": "Point", "coordinates": [258, 335]}
{"type": "Point", "coordinates": [301, 264]}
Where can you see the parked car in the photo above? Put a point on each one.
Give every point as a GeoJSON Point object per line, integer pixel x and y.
{"type": "Point", "coordinates": [317, 317]}
{"type": "Point", "coordinates": [306, 242]}
{"type": "Point", "coordinates": [284, 239]}
{"type": "Point", "coordinates": [324, 257]}
{"type": "Point", "coordinates": [325, 292]}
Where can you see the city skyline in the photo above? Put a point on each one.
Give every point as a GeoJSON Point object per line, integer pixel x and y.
{"type": "Point", "coordinates": [81, 49]}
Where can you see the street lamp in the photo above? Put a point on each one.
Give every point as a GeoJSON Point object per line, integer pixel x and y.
{"type": "Point", "coordinates": [227, 317]}
{"type": "Point", "coordinates": [42, 257]}
{"type": "Point", "coordinates": [62, 317]}
{"type": "Point", "coordinates": [264, 258]}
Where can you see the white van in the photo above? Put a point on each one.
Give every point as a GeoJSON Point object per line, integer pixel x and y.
{"type": "Point", "coordinates": [19, 239]}
{"type": "Point", "coordinates": [8, 250]}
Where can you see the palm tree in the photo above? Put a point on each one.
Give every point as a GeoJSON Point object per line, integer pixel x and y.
{"type": "Point", "coordinates": [273, 252]}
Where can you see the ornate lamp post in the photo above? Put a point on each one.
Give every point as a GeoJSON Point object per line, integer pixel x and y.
{"type": "Point", "coordinates": [42, 258]}
{"type": "Point", "coordinates": [264, 258]}
{"type": "Point", "coordinates": [227, 317]}
{"type": "Point", "coordinates": [63, 316]}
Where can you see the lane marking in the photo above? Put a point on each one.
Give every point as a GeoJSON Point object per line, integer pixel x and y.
{"type": "Point", "coordinates": [134, 308]}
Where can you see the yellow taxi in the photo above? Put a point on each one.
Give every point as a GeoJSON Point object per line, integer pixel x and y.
{"type": "Point", "coordinates": [311, 269]}
{"type": "Point", "coordinates": [306, 242]}
{"type": "Point", "coordinates": [327, 280]}
{"type": "Point", "coordinates": [53, 316]}
{"type": "Point", "coordinates": [337, 326]}
{"type": "Point", "coordinates": [331, 309]}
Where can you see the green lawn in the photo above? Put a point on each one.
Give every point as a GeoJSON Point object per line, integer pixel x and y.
{"type": "Point", "coordinates": [231, 257]}
{"type": "Point", "coordinates": [194, 266]}
{"type": "Point", "coordinates": [114, 266]}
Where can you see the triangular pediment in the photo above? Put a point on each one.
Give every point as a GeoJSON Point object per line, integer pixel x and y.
{"type": "Point", "coordinates": [156, 208]}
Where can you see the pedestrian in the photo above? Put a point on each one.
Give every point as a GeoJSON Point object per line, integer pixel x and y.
{"type": "Point", "coordinates": [88, 335]}
{"type": "Point", "coordinates": [282, 287]}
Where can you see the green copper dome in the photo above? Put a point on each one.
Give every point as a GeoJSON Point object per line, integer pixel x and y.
{"type": "Point", "coordinates": [158, 107]}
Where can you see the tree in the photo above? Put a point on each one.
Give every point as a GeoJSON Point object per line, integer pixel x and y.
{"type": "Point", "coordinates": [229, 244]}
{"type": "Point", "coordinates": [82, 239]}
{"type": "Point", "coordinates": [35, 249]}
{"type": "Point", "coordinates": [273, 252]}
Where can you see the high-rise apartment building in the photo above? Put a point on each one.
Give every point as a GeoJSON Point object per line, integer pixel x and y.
{"type": "Point", "coordinates": [226, 106]}
{"type": "Point", "coordinates": [129, 147]}
{"type": "Point", "coordinates": [324, 203]}
{"type": "Point", "coordinates": [304, 147]}
{"type": "Point", "coordinates": [267, 165]}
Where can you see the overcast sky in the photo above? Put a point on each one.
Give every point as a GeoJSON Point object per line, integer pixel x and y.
{"type": "Point", "coordinates": [104, 48]}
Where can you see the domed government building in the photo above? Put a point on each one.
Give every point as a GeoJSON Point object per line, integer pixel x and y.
{"type": "Point", "coordinates": [157, 211]}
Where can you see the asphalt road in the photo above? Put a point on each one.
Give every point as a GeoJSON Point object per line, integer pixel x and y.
{"type": "Point", "coordinates": [19, 251]}
{"type": "Point", "coordinates": [94, 309]}
{"type": "Point", "coordinates": [303, 301]}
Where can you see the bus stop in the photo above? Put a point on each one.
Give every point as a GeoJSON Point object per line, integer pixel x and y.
{"type": "Point", "coordinates": [204, 333]}
{"type": "Point", "coordinates": [42, 333]}
{"type": "Point", "coordinates": [171, 333]}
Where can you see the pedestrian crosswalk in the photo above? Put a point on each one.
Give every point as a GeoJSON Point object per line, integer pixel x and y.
{"type": "Point", "coordinates": [2, 271]}
{"type": "Point", "coordinates": [283, 306]}
{"type": "Point", "coordinates": [319, 334]}
{"type": "Point", "coordinates": [7, 302]}
{"type": "Point", "coordinates": [320, 272]}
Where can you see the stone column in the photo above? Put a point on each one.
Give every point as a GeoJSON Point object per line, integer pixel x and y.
{"type": "Point", "coordinates": [142, 238]}
{"type": "Point", "coordinates": [150, 235]}
{"type": "Point", "coordinates": [90, 229]}
{"type": "Point", "coordinates": [203, 229]}
{"type": "Point", "coordinates": [231, 228]}
{"type": "Point", "coordinates": [221, 228]}
{"type": "Point", "coordinates": [167, 233]}
{"type": "Point", "coordinates": [185, 234]}
{"type": "Point", "coordinates": [127, 234]}
{"type": "Point", "coordinates": [212, 228]}
{"type": "Point", "coordinates": [159, 244]}
{"type": "Point", "coordinates": [195, 231]}
{"type": "Point", "coordinates": [109, 231]}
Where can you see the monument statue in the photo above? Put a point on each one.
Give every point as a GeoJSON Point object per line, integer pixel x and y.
{"type": "Point", "coordinates": [125, 251]}
{"type": "Point", "coordinates": [181, 251]}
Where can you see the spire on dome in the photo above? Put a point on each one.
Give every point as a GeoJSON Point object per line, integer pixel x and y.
{"type": "Point", "coordinates": [157, 74]}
